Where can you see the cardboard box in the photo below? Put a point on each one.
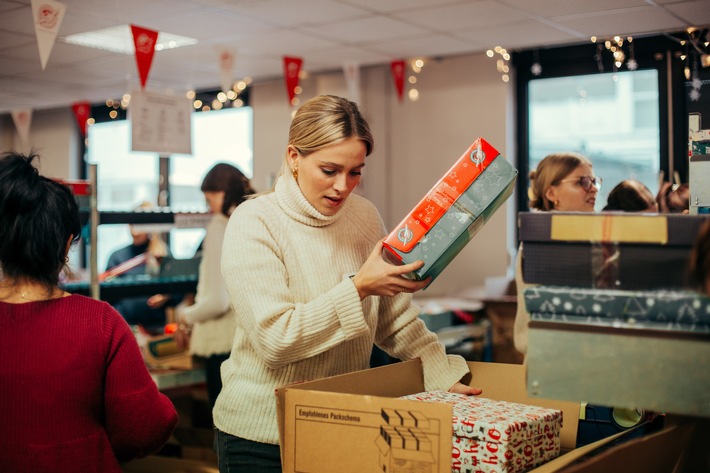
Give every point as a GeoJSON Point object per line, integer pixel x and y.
{"type": "Point", "coordinates": [651, 369]}
{"type": "Point", "coordinates": [163, 352]}
{"type": "Point", "coordinates": [334, 424]}
{"type": "Point", "coordinates": [493, 436]}
{"type": "Point", "coordinates": [453, 211]}
{"type": "Point", "coordinates": [628, 251]}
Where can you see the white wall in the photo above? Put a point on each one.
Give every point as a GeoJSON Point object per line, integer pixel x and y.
{"type": "Point", "coordinates": [53, 136]}
{"type": "Point", "coordinates": [461, 99]}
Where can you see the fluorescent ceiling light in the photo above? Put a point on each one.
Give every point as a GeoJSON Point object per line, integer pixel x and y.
{"type": "Point", "coordinates": [119, 39]}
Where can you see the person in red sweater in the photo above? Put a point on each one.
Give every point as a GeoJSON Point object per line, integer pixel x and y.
{"type": "Point", "coordinates": [75, 393]}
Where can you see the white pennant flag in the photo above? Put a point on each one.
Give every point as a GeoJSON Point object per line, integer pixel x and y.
{"type": "Point", "coordinates": [226, 68]}
{"type": "Point", "coordinates": [47, 16]}
{"type": "Point", "coordinates": [22, 119]}
{"type": "Point", "coordinates": [352, 80]}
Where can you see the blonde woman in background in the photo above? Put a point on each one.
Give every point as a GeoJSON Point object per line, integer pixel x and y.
{"type": "Point", "coordinates": [563, 182]}
{"type": "Point", "coordinates": [310, 289]}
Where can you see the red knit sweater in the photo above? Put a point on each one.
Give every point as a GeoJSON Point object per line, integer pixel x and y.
{"type": "Point", "coordinates": [75, 394]}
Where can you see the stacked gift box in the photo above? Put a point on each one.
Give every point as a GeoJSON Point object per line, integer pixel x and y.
{"type": "Point", "coordinates": [496, 436]}
{"type": "Point", "coordinates": [661, 310]}
{"type": "Point", "coordinates": [453, 211]}
{"type": "Point", "coordinates": [608, 250]}
{"type": "Point", "coordinates": [613, 321]}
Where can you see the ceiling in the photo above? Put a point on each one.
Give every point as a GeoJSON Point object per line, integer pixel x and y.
{"type": "Point", "coordinates": [325, 33]}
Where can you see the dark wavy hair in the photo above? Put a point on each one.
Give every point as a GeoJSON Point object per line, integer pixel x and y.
{"type": "Point", "coordinates": [631, 195]}
{"type": "Point", "coordinates": [226, 178]}
{"type": "Point", "coordinates": [38, 218]}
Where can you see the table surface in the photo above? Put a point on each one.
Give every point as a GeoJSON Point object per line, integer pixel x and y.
{"type": "Point", "coordinates": [171, 379]}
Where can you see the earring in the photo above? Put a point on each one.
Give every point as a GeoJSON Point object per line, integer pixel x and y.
{"type": "Point", "coordinates": [295, 173]}
{"type": "Point", "coordinates": [66, 259]}
{"type": "Point", "coordinates": [557, 203]}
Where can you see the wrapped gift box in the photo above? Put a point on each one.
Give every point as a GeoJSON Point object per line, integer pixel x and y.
{"type": "Point", "coordinates": [498, 436]}
{"type": "Point", "coordinates": [453, 211]}
{"type": "Point", "coordinates": [627, 251]}
{"type": "Point", "coordinates": [662, 310]}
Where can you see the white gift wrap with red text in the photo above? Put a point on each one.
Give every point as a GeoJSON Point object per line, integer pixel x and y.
{"type": "Point", "coordinates": [497, 436]}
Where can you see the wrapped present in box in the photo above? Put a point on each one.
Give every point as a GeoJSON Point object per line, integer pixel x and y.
{"type": "Point", "coordinates": [453, 211]}
{"type": "Point", "coordinates": [498, 436]}
{"type": "Point", "coordinates": [609, 250]}
{"type": "Point", "coordinates": [664, 310]}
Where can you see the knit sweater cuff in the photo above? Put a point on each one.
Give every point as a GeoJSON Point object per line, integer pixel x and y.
{"type": "Point", "coordinates": [442, 375]}
{"type": "Point", "coordinates": [348, 308]}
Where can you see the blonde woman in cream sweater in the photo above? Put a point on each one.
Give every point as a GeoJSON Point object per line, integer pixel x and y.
{"type": "Point", "coordinates": [310, 289]}
{"type": "Point", "coordinates": [210, 321]}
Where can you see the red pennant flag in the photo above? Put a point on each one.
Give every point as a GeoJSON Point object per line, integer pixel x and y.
{"type": "Point", "coordinates": [144, 41]}
{"type": "Point", "coordinates": [398, 76]}
{"type": "Point", "coordinates": [82, 110]}
{"type": "Point", "coordinates": [292, 69]}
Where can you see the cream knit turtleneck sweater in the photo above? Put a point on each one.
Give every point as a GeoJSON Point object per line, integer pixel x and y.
{"type": "Point", "coordinates": [299, 316]}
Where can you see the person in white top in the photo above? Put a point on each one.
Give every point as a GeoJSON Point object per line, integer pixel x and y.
{"type": "Point", "coordinates": [210, 321]}
{"type": "Point", "coordinates": [310, 289]}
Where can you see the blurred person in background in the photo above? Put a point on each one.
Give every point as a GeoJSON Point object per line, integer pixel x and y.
{"type": "Point", "coordinates": [76, 393]}
{"type": "Point", "coordinates": [631, 195]}
{"type": "Point", "coordinates": [209, 324]}
{"type": "Point", "coordinates": [673, 198]}
{"type": "Point", "coordinates": [142, 257]}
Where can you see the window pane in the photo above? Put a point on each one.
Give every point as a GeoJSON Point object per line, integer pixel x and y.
{"type": "Point", "coordinates": [223, 136]}
{"type": "Point", "coordinates": [125, 179]}
{"type": "Point", "coordinates": [613, 119]}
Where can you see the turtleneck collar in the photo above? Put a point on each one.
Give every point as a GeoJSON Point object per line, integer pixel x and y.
{"type": "Point", "coordinates": [295, 204]}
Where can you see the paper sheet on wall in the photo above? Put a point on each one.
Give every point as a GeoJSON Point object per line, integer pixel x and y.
{"type": "Point", "coordinates": [160, 123]}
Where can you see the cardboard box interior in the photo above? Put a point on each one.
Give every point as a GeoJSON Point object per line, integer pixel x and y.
{"type": "Point", "coordinates": [319, 430]}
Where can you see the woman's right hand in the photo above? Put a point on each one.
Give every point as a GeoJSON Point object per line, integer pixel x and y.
{"type": "Point", "coordinates": [377, 277]}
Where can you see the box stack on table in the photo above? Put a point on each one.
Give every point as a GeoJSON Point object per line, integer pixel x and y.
{"type": "Point", "coordinates": [611, 323]}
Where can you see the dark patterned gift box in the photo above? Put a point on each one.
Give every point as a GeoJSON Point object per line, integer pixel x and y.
{"type": "Point", "coordinates": [664, 310]}
{"type": "Point", "coordinates": [497, 436]}
{"type": "Point", "coordinates": [610, 250]}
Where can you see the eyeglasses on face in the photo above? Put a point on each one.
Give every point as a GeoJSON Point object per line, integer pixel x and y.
{"type": "Point", "coordinates": [586, 182]}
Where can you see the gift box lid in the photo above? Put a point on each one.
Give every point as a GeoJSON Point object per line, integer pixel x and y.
{"type": "Point", "coordinates": [495, 421]}
{"type": "Point", "coordinates": [679, 307]}
{"type": "Point", "coordinates": [608, 227]}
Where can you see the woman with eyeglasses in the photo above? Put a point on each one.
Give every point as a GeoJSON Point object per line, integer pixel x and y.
{"type": "Point", "coordinates": [563, 182]}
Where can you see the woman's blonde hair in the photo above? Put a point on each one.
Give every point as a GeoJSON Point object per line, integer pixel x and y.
{"type": "Point", "coordinates": [549, 172]}
{"type": "Point", "coordinates": [323, 121]}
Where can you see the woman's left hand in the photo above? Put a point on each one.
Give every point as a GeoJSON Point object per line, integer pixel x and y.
{"type": "Point", "coordinates": [460, 388]}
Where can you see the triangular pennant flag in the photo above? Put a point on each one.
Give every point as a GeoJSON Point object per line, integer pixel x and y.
{"type": "Point", "coordinates": [226, 68]}
{"type": "Point", "coordinates": [82, 111]}
{"type": "Point", "coordinates": [351, 71]}
{"type": "Point", "coordinates": [23, 119]}
{"type": "Point", "coordinates": [398, 76]}
{"type": "Point", "coordinates": [292, 70]}
{"type": "Point", "coordinates": [144, 41]}
{"type": "Point", "coordinates": [47, 16]}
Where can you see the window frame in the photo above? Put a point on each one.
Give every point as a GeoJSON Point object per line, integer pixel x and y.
{"type": "Point", "coordinates": [655, 52]}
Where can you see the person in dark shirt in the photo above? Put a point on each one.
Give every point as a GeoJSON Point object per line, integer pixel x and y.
{"type": "Point", "coordinates": [145, 251]}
